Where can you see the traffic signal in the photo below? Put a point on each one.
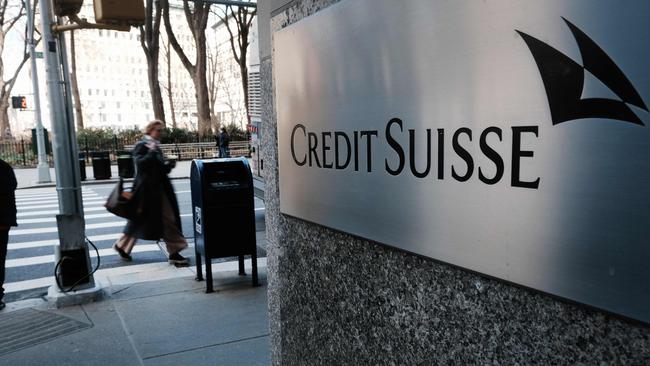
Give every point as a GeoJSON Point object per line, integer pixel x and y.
{"type": "Point", "coordinates": [19, 102]}
{"type": "Point", "coordinates": [119, 12]}
{"type": "Point", "coordinates": [67, 7]}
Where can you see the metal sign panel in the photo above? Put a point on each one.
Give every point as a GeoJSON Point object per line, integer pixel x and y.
{"type": "Point", "coordinates": [511, 138]}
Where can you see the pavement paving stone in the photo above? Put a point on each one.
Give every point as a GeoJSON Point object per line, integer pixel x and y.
{"type": "Point", "coordinates": [244, 352]}
{"type": "Point", "coordinates": [168, 323]}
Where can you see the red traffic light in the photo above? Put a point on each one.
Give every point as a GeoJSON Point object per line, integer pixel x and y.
{"type": "Point", "coordinates": [19, 102]}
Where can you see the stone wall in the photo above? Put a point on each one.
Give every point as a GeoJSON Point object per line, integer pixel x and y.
{"type": "Point", "coordinates": [337, 299]}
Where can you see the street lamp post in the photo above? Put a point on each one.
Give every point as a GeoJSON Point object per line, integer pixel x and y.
{"type": "Point", "coordinates": [43, 166]}
{"type": "Point", "coordinates": [72, 252]}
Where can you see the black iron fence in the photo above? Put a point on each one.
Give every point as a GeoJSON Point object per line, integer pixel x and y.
{"type": "Point", "coordinates": [22, 152]}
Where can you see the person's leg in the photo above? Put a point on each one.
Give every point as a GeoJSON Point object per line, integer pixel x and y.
{"type": "Point", "coordinates": [173, 237]}
{"type": "Point", "coordinates": [4, 239]}
{"type": "Point", "coordinates": [124, 246]}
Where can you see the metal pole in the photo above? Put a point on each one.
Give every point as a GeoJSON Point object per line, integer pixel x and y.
{"type": "Point", "coordinates": [43, 166]}
{"type": "Point", "coordinates": [72, 245]}
{"type": "Point", "coordinates": [71, 137]}
{"type": "Point", "coordinates": [68, 184]}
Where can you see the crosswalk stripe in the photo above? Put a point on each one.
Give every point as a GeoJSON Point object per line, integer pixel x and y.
{"type": "Point", "coordinates": [55, 212]}
{"type": "Point", "coordinates": [52, 242]}
{"type": "Point", "coordinates": [53, 219]}
{"type": "Point", "coordinates": [52, 197]}
{"type": "Point", "coordinates": [86, 217]}
{"type": "Point", "coordinates": [50, 201]}
{"type": "Point", "coordinates": [19, 262]}
{"type": "Point", "coordinates": [28, 284]}
{"type": "Point", "coordinates": [56, 204]}
{"type": "Point", "coordinates": [54, 229]}
{"type": "Point", "coordinates": [29, 193]}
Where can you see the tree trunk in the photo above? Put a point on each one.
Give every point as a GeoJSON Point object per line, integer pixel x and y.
{"type": "Point", "coordinates": [149, 41]}
{"type": "Point", "coordinates": [154, 88]}
{"type": "Point", "coordinates": [74, 84]}
{"type": "Point", "coordinates": [201, 86]}
{"type": "Point", "coordinates": [244, 80]}
{"type": "Point", "coordinates": [197, 19]}
{"type": "Point", "coordinates": [5, 127]}
{"type": "Point", "coordinates": [170, 91]}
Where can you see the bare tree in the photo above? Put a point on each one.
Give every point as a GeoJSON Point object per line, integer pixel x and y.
{"type": "Point", "coordinates": [10, 14]}
{"type": "Point", "coordinates": [74, 84]}
{"type": "Point", "coordinates": [243, 19]}
{"type": "Point", "coordinates": [168, 86]}
{"type": "Point", "coordinates": [197, 19]}
{"type": "Point", "coordinates": [215, 80]}
{"type": "Point", "coordinates": [150, 42]}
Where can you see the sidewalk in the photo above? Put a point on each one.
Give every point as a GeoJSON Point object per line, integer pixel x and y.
{"type": "Point", "coordinates": [160, 316]}
{"type": "Point", "coordinates": [28, 177]}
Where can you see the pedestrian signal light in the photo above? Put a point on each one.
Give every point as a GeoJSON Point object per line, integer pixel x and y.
{"type": "Point", "coordinates": [67, 7]}
{"type": "Point", "coordinates": [129, 12]}
{"type": "Point", "coordinates": [19, 102]}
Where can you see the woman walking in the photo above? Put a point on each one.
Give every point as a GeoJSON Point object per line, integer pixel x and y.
{"type": "Point", "coordinates": [153, 194]}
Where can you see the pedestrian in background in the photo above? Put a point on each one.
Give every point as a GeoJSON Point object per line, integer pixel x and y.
{"type": "Point", "coordinates": [7, 217]}
{"type": "Point", "coordinates": [154, 195]}
{"type": "Point", "coordinates": [224, 143]}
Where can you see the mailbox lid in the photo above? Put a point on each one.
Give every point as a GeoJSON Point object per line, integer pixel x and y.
{"type": "Point", "coordinates": [222, 174]}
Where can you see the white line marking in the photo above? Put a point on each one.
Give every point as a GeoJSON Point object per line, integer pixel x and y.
{"type": "Point", "coordinates": [54, 229]}
{"type": "Point", "coordinates": [52, 242]}
{"type": "Point", "coordinates": [56, 204]}
{"type": "Point", "coordinates": [56, 212]}
{"type": "Point", "coordinates": [22, 194]}
{"type": "Point", "coordinates": [52, 197]}
{"type": "Point", "coordinates": [260, 209]}
{"type": "Point", "coordinates": [19, 262]}
{"type": "Point", "coordinates": [182, 192]}
{"type": "Point", "coordinates": [50, 201]}
{"type": "Point", "coordinates": [53, 219]}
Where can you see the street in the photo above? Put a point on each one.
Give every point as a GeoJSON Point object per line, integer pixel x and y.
{"type": "Point", "coordinates": [30, 258]}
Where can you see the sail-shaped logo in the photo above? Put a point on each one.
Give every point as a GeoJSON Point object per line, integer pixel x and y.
{"type": "Point", "coordinates": [564, 80]}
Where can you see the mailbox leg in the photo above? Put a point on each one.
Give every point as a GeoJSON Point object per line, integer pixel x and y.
{"type": "Point", "coordinates": [242, 271]}
{"type": "Point", "coordinates": [208, 275]}
{"type": "Point", "coordinates": [254, 264]}
{"type": "Point", "coordinates": [199, 270]}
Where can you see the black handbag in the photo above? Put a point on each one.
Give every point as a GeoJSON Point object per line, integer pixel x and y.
{"type": "Point", "coordinates": [122, 203]}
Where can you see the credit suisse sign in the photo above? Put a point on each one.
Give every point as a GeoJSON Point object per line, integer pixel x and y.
{"type": "Point", "coordinates": [510, 138]}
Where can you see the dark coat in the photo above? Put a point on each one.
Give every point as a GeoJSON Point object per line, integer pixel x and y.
{"type": "Point", "coordinates": [150, 185]}
{"type": "Point", "coordinates": [8, 186]}
{"type": "Point", "coordinates": [223, 139]}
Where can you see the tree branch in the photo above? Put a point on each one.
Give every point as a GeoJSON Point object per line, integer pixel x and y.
{"type": "Point", "coordinates": [225, 20]}
{"type": "Point", "coordinates": [3, 11]}
{"type": "Point", "coordinates": [14, 20]}
{"type": "Point", "coordinates": [172, 38]}
{"type": "Point", "coordinates": [143, 44]}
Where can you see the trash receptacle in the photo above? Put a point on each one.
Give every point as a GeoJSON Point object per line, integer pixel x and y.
{"type": "Point", "coordinates": [82, 166]}
{"type": "Point", "coordinates": [101, 164]}
{"type": "Point", "coordinates": [125, 167]}
{"type": "Point", "coordinates": [224, 214]}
